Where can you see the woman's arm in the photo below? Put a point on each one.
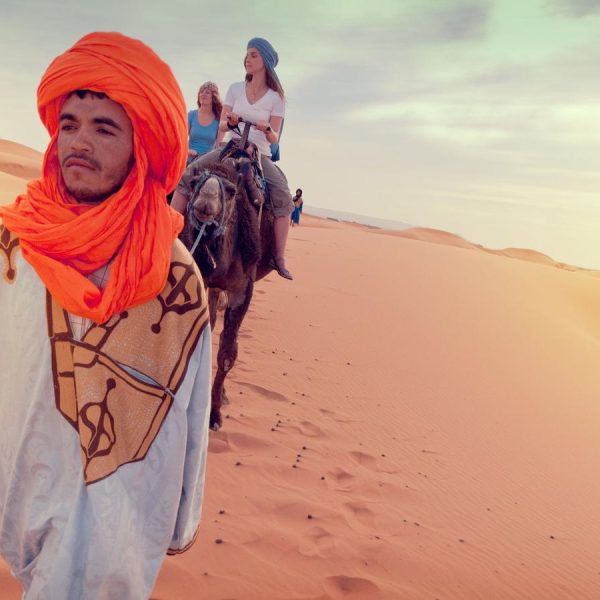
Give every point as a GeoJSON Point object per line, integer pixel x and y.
{"type": "Point", "coordinates": [274, 124]}
{"type": "Point", "coordinates": [227, 117]}
{"type": "Point", "coordinates": [220, 135]}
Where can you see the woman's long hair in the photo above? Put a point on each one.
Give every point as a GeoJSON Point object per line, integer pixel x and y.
{"type": "Point", "coordinates": [217, 104]}
{"type": "Point", "coordinates": [272, 83]}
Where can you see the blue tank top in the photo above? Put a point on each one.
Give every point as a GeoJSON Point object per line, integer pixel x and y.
{"type": "Point", "coordinates": [202, 137]}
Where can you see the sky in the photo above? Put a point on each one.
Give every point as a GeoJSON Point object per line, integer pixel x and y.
{"type": "Point", "coordinates": [479, 117]}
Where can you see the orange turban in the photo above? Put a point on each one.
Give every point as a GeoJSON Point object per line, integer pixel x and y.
{"type": "Point", "coordinates": [65, 241]}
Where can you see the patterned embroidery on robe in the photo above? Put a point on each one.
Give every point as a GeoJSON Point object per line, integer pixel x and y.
{"type": "Point", "coordinates": [8, 250]}
{"type": "Point", "coordinates": [116, 386]}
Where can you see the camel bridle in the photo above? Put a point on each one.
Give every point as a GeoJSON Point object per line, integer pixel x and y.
{"type": "Point", "coordinates": [200, 225]}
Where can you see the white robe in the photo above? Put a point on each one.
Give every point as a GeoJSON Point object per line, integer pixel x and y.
{"type": "Point", "coordinates": [65, 538]}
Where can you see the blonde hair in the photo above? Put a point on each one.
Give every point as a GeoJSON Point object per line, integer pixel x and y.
{"type": "Point", "coordinates": [217, 104]}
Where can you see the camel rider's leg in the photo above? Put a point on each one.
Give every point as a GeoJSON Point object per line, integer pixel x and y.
{"type": "Point", "coordinates": [183, 191]}
{"type": "Point", "coordinates": [281, 227]}
{"type": "Point", "coordinates": [281, 198]}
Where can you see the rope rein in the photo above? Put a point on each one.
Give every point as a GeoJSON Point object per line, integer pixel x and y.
{"type": "Point", "coordinates": [201, 226]}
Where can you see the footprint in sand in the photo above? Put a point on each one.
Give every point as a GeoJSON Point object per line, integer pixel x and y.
{"type": "Point", "coordinates": [261, 391]}
{"type": "Point", "coordinates": [317, 543]}
{"type": "Point", "coordinates": [217, 445]}
{"type": "Point", "coordinates": [330, 413]}
{"type": "Point", "coordinates": [258, 317]}
{"type": "Point", "coordinates": [359, 512]}
{"type": "Point", "coordinates": [308, 429]}
{"type": "Point", "coordinates": [326, 412]}
{"type": "Point", "coordinates": [343, 479]}
{"type": "Point", "coordinates": [241, 442]}
{"type": "Point", "coordinates": [235, 441]}
{"type": "Point", "coordinates": [370, 462]}
{"type": "Point", "coordinates": [342, 586]}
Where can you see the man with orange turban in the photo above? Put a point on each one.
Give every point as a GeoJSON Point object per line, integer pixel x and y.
{"type": "Point", "coordinates": [104, 343]}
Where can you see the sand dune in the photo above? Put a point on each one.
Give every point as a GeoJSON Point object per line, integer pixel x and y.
{"type": "Point", "coordinates": [19, 160]}
{"type": "Point", "coordinates": [18, 164]}
{"type": "Point", "coordinates": [435, 236]}
{"type": "Point", "coordinates": [409, 419]}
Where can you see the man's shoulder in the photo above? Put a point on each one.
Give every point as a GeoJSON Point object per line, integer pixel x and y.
{"type": "Point", "coordinates": [4, 228]}
{"type": "Point", "coordinates": [184, 293]}
{"type": "Point", "coordinates": [180, 254]}
{"type": "Point", "coordinates": [181, 257]}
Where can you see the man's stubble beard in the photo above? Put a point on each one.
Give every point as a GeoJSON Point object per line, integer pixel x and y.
{"type": "Point", "coordinates": [88, 196]}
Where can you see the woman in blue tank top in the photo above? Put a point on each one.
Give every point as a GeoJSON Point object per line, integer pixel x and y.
{"type": "Point", "coordinates": [203, 122]}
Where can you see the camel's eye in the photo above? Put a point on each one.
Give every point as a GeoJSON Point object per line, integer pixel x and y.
{"type": "Point", "coordinates": [229, 187]}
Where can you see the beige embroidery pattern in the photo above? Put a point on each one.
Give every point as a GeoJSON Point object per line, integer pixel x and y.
{"type": "Point", "coordinates": [116, 386]}
{"type": "Point", "coordinates": [8, 248]}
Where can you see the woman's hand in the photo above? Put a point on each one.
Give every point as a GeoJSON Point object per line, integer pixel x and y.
{"type": "Point", "coordinates": [192, 154]}
{"type": "Point", "coordinates": [232, 119]}
{"type": "Point", "coordinates": [270, 128]}
{"type": "Point", "coordinates": [266, 128]}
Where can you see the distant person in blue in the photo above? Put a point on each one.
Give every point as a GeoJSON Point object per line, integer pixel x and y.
{"type": "Point", "coordinates": [203, 122]}
{"type": "Point", "coordinates": [298, 202]}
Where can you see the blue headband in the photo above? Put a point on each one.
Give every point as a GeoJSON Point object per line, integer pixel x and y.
{"type": "Point", "coordinates": [267, 52]}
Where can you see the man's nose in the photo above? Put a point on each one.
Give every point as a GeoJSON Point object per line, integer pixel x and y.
{"type": "Point", "coordinates": [81, 140]}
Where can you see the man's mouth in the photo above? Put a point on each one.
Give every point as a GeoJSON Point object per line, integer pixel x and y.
{"type": "Point", "coordinates": [78, 162]}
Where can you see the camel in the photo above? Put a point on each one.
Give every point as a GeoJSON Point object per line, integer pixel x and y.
{"type": "Point", "coordinates": [231, 252]}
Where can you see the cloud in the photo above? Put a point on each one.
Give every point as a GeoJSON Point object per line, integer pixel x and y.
{"type": "Point", "coordinates": [573, 8]}
{"type": "Point", "coordinates": [460, 21]}
{"type": "Point", "coordinates": [452, 103]}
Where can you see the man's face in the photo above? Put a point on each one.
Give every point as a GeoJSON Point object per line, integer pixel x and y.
{"type": "Point", "coordinates": [95, 147]}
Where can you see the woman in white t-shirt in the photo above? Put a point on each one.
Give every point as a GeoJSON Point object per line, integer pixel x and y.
{"type": "Point", "coordinates": [260, 99]}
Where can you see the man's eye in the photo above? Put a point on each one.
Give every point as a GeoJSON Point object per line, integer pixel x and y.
{"type": "Point", "coordinates": [67, 127]}
{"type": "Point", "coordinates": [105, 131]}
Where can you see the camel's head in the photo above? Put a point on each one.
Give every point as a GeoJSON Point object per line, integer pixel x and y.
{"type": "Point", "coordinates": [208, 200]}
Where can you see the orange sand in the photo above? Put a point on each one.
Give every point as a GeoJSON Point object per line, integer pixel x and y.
{"type": "Point", "coordinates": [414, 417]}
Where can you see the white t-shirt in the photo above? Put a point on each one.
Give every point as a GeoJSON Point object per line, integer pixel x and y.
{"type": "Point", "coordinates": [270, 105]}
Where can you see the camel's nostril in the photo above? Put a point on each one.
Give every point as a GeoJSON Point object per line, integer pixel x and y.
{"type": "Point", "coordinates": [204, 212]}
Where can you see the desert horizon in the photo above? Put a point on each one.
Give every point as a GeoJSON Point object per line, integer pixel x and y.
{"type": "Point", "coordinates": [414, 417]}
{"type": "Point", "coordinates": [22, 162]}
{"type": "Point", "coordinates": [476, 117]}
